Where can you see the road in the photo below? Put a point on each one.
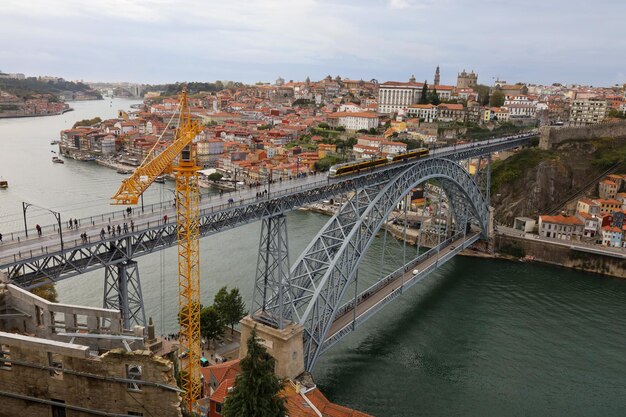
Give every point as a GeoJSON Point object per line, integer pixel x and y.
{"type": "Point", "coordinates": [373, 299]}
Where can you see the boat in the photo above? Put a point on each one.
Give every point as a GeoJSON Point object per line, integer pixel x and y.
{"type": "Point", "coordinates": [124, 171]}
{"type": "Point", "coordinates": [55, 142]}
{"type": "Point", "coordinates": [160, 179]}
{"type": "Point", "coordinates": [57, 160]}
{"type": "Point", "coordinates": [3, 184]}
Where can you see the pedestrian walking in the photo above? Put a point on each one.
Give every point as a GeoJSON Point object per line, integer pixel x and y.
{"type": "Point", "coordinates": [109, 228]}
{"type": "Point", "coordinates": [76, 223]}
{"type": "Point", "coordinates": [125, 227]}
{"type": "Point", "coordinates": [70, 223]}
{"type": "Point", "coordinates": [102, 234]}
{"type": "Point", "coordinates": [165, 219]}
{"type": "Point", "coordinates": [132, 226]}
{"type": "Point", "coordinates": [0, 237]}
{"type": "Point", "coordinates": [38, 228]}
{"type": "Point", "coordinates": [119, 230]}
{"type": "Point", "coordinates": [129, 211]}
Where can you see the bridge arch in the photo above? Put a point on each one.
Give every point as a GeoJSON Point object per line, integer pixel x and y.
{"type": "Point", "coordinates": [319, 278]}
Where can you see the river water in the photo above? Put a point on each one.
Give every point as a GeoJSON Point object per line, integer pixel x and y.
{"type": "Point", "coordinates": [477, 338]}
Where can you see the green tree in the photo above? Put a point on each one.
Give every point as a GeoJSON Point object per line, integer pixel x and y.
{"type": "Point", "coordinates": [483, 94]}
{"type": "Point", "coordinates": [424, 95]}
{"type": "Point", "coordinates": [211, 324]}
{"type": "Point", "coordinates": [496, 99]}
{"type": "Point", "coordinates": [433, 97]}
{"type": "Point", "coordinates": [216, 176]}
{"type": "Point", "coordinates": [372, 131]}
{"type": "Point", "coordinates": [614, 113]}
{"type": "Point", "coordinates": [256, 389]}
{"type": "Point", "coordinates": [230, 306]}
{"type": "Point", "coordinates": [323, 125]}
{"type": "Point", "coordinates": [87, 122]}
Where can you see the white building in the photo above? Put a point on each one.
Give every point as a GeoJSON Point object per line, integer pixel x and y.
{"type": "Point", "coordinates": [588, 111]}
{"type": "Point", "coordinates": [521, 110]}
{"type": "Point", "coordinates": [354, 121]}
{"type": "Point", "coordinates": [561, 227]}
{"type": "Point", "coordinates": [427, 112]}
{"type": "Point", "coordinates": [395, 95]}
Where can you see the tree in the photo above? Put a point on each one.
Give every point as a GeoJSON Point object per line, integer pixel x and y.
{"type": "Point", "coordinates": [216, 176]}
{"type": "Point", "coordinates": [323, 125]}
{"type": "Point", "coordinates": [256, 389]}
{"type": "Point", "coordinates": [47, 292]}
{"type": "Point", "coordinates": [433, 97]}
{"type": "Point", "coordinates": [424, 95]}
{"type": "Point", "coordinates": [496, 99]}
{"type": "Point", "coordinates": [87, 122]}
{"type": "Point", "coordinates": [372, 131]}
{"type": "Point", "coordinates": [230, 306]}
{"type": "Point", "coordinates": [211, 324]}
{"type": "Point", "coordinates": [483, 94]}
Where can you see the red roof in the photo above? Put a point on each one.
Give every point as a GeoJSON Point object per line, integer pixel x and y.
{"type": "Point", "coordinates": [222, 390]}
{"type": "Point", "coordinates": [560, 219]}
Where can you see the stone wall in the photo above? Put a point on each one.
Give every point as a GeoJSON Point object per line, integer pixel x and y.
{"type": "Point", "coordinates": [562, 255]}
{"type": "Point", "coordinates": [551, 136]}
{"type": "Point", "coordinates": [34, 373]}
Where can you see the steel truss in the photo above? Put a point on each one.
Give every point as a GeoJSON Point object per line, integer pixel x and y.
{"type": "Point", "coordinates": [323, 272]}
{"type": "Point", "coordinates": [122, 291]}
{"type": "Point", "coordinates": [272, 272]}
{"type": "Point", "coordinates": [41, 269]}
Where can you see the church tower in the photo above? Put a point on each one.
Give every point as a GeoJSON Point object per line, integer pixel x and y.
{"type": "Point", "coordinates": [437, 76]}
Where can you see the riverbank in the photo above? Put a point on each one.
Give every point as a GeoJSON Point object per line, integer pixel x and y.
{"type": "Point", "coordinates": [20, 116]}
{"type": "Point", "coordinates": [514, 248]}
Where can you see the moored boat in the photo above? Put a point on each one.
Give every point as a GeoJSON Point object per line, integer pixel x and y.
{"type": "Point", "coordinates": [57, 160]}
{"type": "Point", "coordinates": [4, 183]}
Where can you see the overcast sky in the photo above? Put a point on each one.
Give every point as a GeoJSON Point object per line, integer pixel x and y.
{"type": "Point", "coordinates": [154, 41]}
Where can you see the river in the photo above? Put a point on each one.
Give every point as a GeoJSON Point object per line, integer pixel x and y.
{"type": "Point", "coordinates": [477, 338]}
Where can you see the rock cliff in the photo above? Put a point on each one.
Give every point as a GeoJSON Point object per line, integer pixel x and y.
{"type": "Point", "coordinates": [534, 181]}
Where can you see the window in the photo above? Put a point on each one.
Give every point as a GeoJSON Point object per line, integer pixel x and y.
{"type": "Point", "coordinates": [133, 372]}
{"type": "Point", "coordinates": [218, 408]}
{"type": "Point", "coordinates": [58, 410]}
{"type": "Point", "coordinates": [55, 361]}
{"type": "Point", "coordinates": [5, 357]}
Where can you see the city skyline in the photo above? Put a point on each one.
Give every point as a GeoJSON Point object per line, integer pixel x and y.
{"type": "Point", "coordinates": [152, 41]}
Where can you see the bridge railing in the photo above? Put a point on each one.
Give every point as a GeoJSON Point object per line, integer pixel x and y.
{"type": "Point", "coordinates": [347, 307]}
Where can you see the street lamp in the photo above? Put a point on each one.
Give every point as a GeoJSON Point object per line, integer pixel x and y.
{"type": "Point", "coordinates": [297, 167]}
{"type": "Point", "coordinates": [56, 215]}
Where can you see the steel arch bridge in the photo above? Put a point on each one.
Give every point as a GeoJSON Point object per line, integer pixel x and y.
{"type": "Point", "coordinates": [310, 293]}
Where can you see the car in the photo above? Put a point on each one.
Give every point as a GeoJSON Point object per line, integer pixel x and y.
{"type": "Point", "coordinates": [416, 271]}
{"type": "Point", "coordinates": [452, 247]}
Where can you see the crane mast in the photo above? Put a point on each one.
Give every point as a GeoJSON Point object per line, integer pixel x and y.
{"type": "Point", "coordinates": [179, 157]}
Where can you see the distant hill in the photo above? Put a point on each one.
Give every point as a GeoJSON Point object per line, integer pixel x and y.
{"type": "Point", "coordinates": [31, 86]}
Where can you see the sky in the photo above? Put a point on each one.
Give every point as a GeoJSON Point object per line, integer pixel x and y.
{"type": "Point", "coordinates": [159, 41]}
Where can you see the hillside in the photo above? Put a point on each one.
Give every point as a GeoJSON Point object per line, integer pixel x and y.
{"type": "Point", "coordinates": [534, 181]}
{"type": "Point", "coordinates": [32, 87]}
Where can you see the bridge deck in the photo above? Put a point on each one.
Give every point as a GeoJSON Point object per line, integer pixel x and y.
{"type": "Point", "coordinates": [42, 257]}
{"type": "Point", "coordinates": [374, 298]}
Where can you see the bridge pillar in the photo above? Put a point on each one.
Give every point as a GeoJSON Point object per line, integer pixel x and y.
{"type": "Point", "coordinates": [122, 291]}
{"type": "Point", "coordinates": [271, 287]}
{"type": "Point", "coordinates": [286, 345]}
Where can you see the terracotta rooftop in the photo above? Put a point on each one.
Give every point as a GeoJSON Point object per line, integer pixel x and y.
{"type": "Point", "coordinates": [560, 219]}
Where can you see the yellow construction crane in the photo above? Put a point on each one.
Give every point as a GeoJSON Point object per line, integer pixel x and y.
{"type": "Point", "coordinates": [179, 157]}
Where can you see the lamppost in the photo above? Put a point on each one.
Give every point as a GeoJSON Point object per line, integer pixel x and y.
{"type": "Point", "coordinates": [56, 215]}
{"type": "Point", "coordinates": [297, 167]}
